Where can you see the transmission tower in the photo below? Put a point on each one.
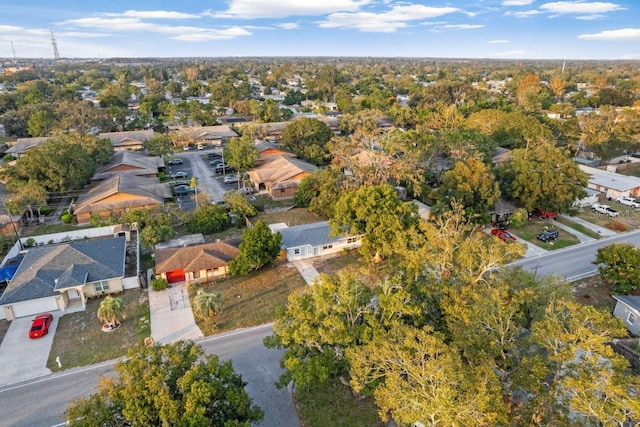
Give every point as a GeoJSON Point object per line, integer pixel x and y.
{"type": "Point", "coordinates": [54, 43]}
{"type": "Point", "coordinates": [14, 53]}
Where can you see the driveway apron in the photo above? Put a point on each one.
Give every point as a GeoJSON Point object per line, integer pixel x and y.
{"type": "Point", "coordinates": [171, 315]}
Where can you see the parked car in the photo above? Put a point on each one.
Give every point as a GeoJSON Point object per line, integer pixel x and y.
{"type": "Point", "coordinates": [175, 162]}
{"type": "Point", "coordinates": [548, 235]}
{"type": "Point", "coordinates": [201, 147]}
{"type": "Point", "coordinates": [186, 148]}
{"type": "Point", "coordinates": [628, 201]}
{"type": "Point", "coordinates": [503, 235]}
{"type": "Point", "coordinates": [222, 169]}
{"type": "Point", "coordinates": [177, 184]}
{"type": "Point", "coordinates": [605, 209]}
{"type": "Point", "coordinates": [184, 191]}
{"type": "Point", "coordinates": [178, 175]}
{"type": "Point", "coordinates": [214, 155]}
{"type": "Point", "coordinates": [231, 179]}
{"type": "Point", "coordinates": [40, 325]}
{"type": "Point", "coordinates": [215, 163]}
{"type": "Point", "coordinates": [245, 190]}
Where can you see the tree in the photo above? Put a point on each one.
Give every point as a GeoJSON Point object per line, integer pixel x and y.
{"type": "Point", "coordinates": [174, 384]}
{"type": "Point", "coordinates": [472, 184]}
{"type": "Point", "coordinates": [40, 123]}
{"type": "Point", "coordinates": [208, 219]}
{"type": "Point", "coordinates": [239, 205]}
{"type": "Point", "coordinates": [619, 267]}
{"type": "Point", "coordinates": [259, 247]}
{"type": "Point", "coordinates": [111, 310]}
{"type": "Point", "coordinates": [320, 191]}
{"type": "Point", "coordinates": [307, 137]}
{"type": "Point", "coordinates": [30, 195]}
{"type": "Point", "coordinates": [543, 178]}
{"type": "Point", "coordinates": [241, 153]}
{"type": "Point", "coordinates": [379, 216]}
{"type": "Point", "coordinates": [207, 304]}
{"type": "Point", "coordinates": [159, 145]}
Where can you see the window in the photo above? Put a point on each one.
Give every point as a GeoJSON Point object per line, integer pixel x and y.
{"type": "Point", "coordinates": [325, 247]}
{"type": "Point", "coordinates": [102, 286]}
{"type": "Point", "coordinates": [631, 318]}
{"type": "Point", "coordinates": [296, 251]}
{"type": "Point", "coordinates": [282, 190]}
{"type": "Point", "coordinates": [196, 274]}
{"type": "Point", "coordinates": [352, 240]}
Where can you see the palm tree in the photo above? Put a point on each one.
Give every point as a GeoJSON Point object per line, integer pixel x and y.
{"type": "Point", "coordinates": [111, 310]}
{"type": "Point", "coordinates": [206, 304]}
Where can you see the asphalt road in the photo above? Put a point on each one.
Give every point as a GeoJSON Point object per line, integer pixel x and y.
{"type": "Point", "coordinates": [42, 402]}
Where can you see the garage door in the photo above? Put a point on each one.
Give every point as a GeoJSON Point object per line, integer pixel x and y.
{"type": "Point", "coordinates": [36, 306]}
{"type": "Point", "coordinates": [175, 276]}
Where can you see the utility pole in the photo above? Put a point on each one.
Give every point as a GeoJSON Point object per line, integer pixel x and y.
{"type": "Point", "coordinates": [54, 43]}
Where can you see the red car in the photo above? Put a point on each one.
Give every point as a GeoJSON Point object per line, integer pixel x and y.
{"type": "Point", "coordinates": [503, 235]}
{"type": "Point", "coordinates": [40, 325]}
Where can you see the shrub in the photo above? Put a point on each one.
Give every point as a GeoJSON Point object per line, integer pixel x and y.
{"type": "Point", "coordinates": [46, 210]}
{"type": "Point", "coordinates": [617, 226]}
{"type": "Point", "coordinates": [67, 218]}
{"type": "Point", "coordinates": [30, 242]}
{"type": "Point", "coordinates": [159, 284]}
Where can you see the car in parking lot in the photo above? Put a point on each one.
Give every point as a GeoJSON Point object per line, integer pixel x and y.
{"type": "Point", "coordinates": [180, 183]}
{"type": "Point", "coordinates": [175, 162]}
{"type": "Point", "coordinates": [40, 325]}
{"type": "Point", "coordinates": [244, 190]}
{"type": "Point", "coordinates": [215, 163]}
{"type": "Point", "coordinates": [628, 201]}
{"type": "Point", "coordinates": [231, 179]}
{"type": "Point", "coordinates": [178, 175]}
{"type": "Point", "coordinates": [222, 169]}
{"type": "Point", "coordinates": [184, 190]}
{"type": "Point", "coordinates": [548, 235]}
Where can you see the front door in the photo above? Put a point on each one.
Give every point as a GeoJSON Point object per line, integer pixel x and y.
{"type": "Point", "coordinates": [73, 294]}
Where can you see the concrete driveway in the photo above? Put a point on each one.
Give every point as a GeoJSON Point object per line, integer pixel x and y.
{"type": "Point", "coordinates": [22, 358]}
{"type": "Point", "coordinates": [171, 316]}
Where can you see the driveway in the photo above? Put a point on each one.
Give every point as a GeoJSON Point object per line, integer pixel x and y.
{"type": "Point", "coordinates": [22, 358]}
{"type": "Point", "coordinates": [171, 316]}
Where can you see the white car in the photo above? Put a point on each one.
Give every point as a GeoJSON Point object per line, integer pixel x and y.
{"type": "Point", "coordinates": [179, 175]}
{"type": "Point", "coordinates": [245, 190]}
{"type": "Point", "coordinates": [629, 201]}
{"type": "Point", "coordinates": [605, 209]}
{"type": "Point", "coordinates": [231, 179]}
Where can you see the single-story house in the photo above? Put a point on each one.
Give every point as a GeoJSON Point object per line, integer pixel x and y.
{"type": "Point", "coordinates": [628, 309]}
{"type": "Point", "coordinates": [119, 194]}
{"type": "Point", "coordinates": [130, 140]}
{"type": "Point", "coordinates": [312, 240]}
{"type": "Point", "coordinates": [612, 184]}
{"type": "Point", "coordinates": [268, 150]}
{"type": "Point", "coordinates": [590, 199]}
{"type": "Point", "coordinates": [22, 145]}
{"type": "Point", "coordinates": [281, 176]}
{"type": "Point", "coordinates": [197, 263]}
{"type": "Point", "coordinates": [53, 277]}
{"type": "Point", "coordinates": [130, 162]}
{"type": "Point", "coordinates": [211, 135]}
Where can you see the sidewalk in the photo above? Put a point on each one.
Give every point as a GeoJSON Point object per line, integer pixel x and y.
{"type": "Point", "coordinates": [605, 232]}
{"type": "Point", "coordinates": [583, 238]}
{"type": "Point", "coordinates": [307, 270]}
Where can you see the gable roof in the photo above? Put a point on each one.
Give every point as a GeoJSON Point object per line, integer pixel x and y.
{"type": "Point", "coordinates": [48, 269]}
{"type": "Point", "coordinates": [630, 301]}
{"type": "Point", "coordinates": [137, 164]}
{"type": "Point", "coordinates": [195, 258]}
{"type": "Point", "coordinates": [24, 144]}
{"type": "Point", "coordinates": [280, 170]}
{"type": "Point", "coordinates": [149, 191]}
{"type": "Point", "coordinates": [314, 234]}
{"type": "Point", "coordinates": [212, 132]}
{"type": "Point", "coordinates": [127, 138]}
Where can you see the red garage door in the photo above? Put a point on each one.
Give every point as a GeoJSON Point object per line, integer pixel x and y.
{"type": "Point", "coordinates": [175, 276]}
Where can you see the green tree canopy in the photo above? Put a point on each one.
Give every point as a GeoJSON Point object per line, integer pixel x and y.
{"type": "Point", "coordinates": [619, 266]}
{"type": "Point", "coordinates": [241, 153]}
{"type": "Point", "coordinates": [208, 219]}
{"type": "Point", "coordinates": [174, 384]}
{"type": "Point", "coordinates": [207, 304]}
{"type": "Point", "coordinates": [307, 137]}
{"type": "Point", "coordinates": [259, 247]}
{"type": "Point", "coordinates": [111, 310]}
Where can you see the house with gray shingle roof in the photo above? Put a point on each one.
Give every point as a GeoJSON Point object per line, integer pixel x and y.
{"type": "Point", "coordinates": [52, 277]}
{"type": "Point", "coordinates": [628, 309]}
{"type": "Point", "coordinates": [312, 240]}
{"type": "Point", "coordinates": [198, 263]}
{"type": "Point", "coordinates": [22, 145]}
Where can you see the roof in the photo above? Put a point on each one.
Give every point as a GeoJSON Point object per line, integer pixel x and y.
{"type": "Point", "coordinates": [280, 170]}
{"type": "Point", "coordinates": [24, 144]}
{"type": "Point", "coordinates": [314, 234]}
{"type": "Point", "coordinates": [195, 258]}
{"type": "Point", "coordinates": [212, 132]}
{"type": "Point", "coordinates": [630, 301]}
{"type": "Point", "coordinates": [144, 192]}
{"type": "Point", "coordinates": [611, 180]}
{"type": "Point", "coordinates": [129, 162]}
{"type": "Point", "coordinates": [47, 269]}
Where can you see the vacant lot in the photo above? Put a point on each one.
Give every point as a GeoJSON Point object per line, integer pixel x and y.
{"type": "Point", "coordinates": [80, 341]}
{"type": "Point", "coordinates": [628, 218]}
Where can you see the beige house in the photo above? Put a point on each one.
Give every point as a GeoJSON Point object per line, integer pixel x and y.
{"type": "Point", "coordinates": [130, 162]}
{"type": "Point", "coordinates": [197, 263]}
{"type": "Point", "coordinates": [131, 140]}
{"type": "Point", "coordinates": [281, 176]}
{"type": "Point", "coordinates": [54, 277]}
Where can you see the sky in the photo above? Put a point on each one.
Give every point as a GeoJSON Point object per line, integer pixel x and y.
{"type": "Point", "coordinates": [494, 29]}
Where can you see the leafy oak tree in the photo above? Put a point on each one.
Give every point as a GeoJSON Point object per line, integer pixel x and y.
{"type": "Point", "coordinates": [241, 153]}
{"type": "Point", "coordinates": [259, 247]}
{"type": "Point", "coordinates": [619, 267]}
{"type": "Point", "coordinates": [174, 384]}
{"type": "Point", "coordinates": [208, 219]}
{"type": "Point", "coordinates": [159, 145]}
{"type": "Point", "coordinates": [307, 137]}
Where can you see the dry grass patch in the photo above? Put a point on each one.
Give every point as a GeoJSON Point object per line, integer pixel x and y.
{"type": "Point", "coordinates": [250, 300]}
{"type": "Point", "coordinates": [291, 217]}
{"type": "Point", "coordinates": [627, 217]}
{"type": "Point", "coordinates": [593, 291]}
{"type": "Point", "coordinates": [80, 341]}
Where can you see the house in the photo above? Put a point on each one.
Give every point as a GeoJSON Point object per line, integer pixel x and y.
{"type": "Point", "coordinates": [268, 150]}
{"type": "Point", "coordinates": [197, 263]}
{"type": "Point", "coordinates": [590, 199]}
{"type": "Point", "coordinates": [281, 176]}
{"type": "Point", "coordinates": [54, 277]}
{"type": "Point", "coordinates": [312, 240]}
{"type": "Point", "coordinates": [628, 309]}
{"type": "Point", "coordinates": [22, 145]}
{"type": "Point", "coordinates": [612, 184]}
{"type": "Point", "coordinates": [130, 162]}
{"type": "Point", "coordinates": [131, 140]}
{"type": "Point", "coordinates": [211, 135]}
{"type": "Point", "coordinates": [501, 155]}
{"type": "Point", "coordinates": [119, 194]}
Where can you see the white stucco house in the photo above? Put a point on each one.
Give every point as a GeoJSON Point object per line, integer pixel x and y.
{"type": "Point", "coordinates": [312, 240]}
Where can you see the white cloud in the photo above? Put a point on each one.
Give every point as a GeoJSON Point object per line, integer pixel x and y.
{"type": "Point", "coordinates": [225, 34]}
{"type": "Point", "coordinates": [384, 22]}
{"type": "Point", "coordinates": [288, 25]}
{"type": "Point", "coordinates": [462, 26]}
{"type": "Point", "coordinates": [157, 14]}
{"type": "Point", "coordinates": [81, 35]}
{"type": "Point", "coordinates": [509, 53]}
{"type": "Point", "coordinates": [523, 13]}
{"type": "Point", "coordinates": [517, 2]}
{"type": "Point", "coordinates": [580, 7]}
{"type": "Point", "coordinates": [498, 41]}
{"type": "Point", "coordinates": [591, 17]}
{"type": "Point", "coordinates": [621, 34]}
{"type": "Point", "coordinates": [255, 9]}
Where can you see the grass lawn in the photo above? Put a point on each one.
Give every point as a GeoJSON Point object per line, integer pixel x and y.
{"type": "Point", "coordinates": [578, 227]}
{"type": "Point", "coordinates": [45, 228]}
{"type": "Point", "coordinates": [250, 300]}
{"type": "Point", "coordinates": [628, 218]}
{"type": "Point", "coordinates": [593, 291]}
{"type": "Point", "coordinates": [534, 227]}
{"type": "Point", "coordinates": [335, 405]}
{"type": "Point", "coordinates": [80, 341]}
